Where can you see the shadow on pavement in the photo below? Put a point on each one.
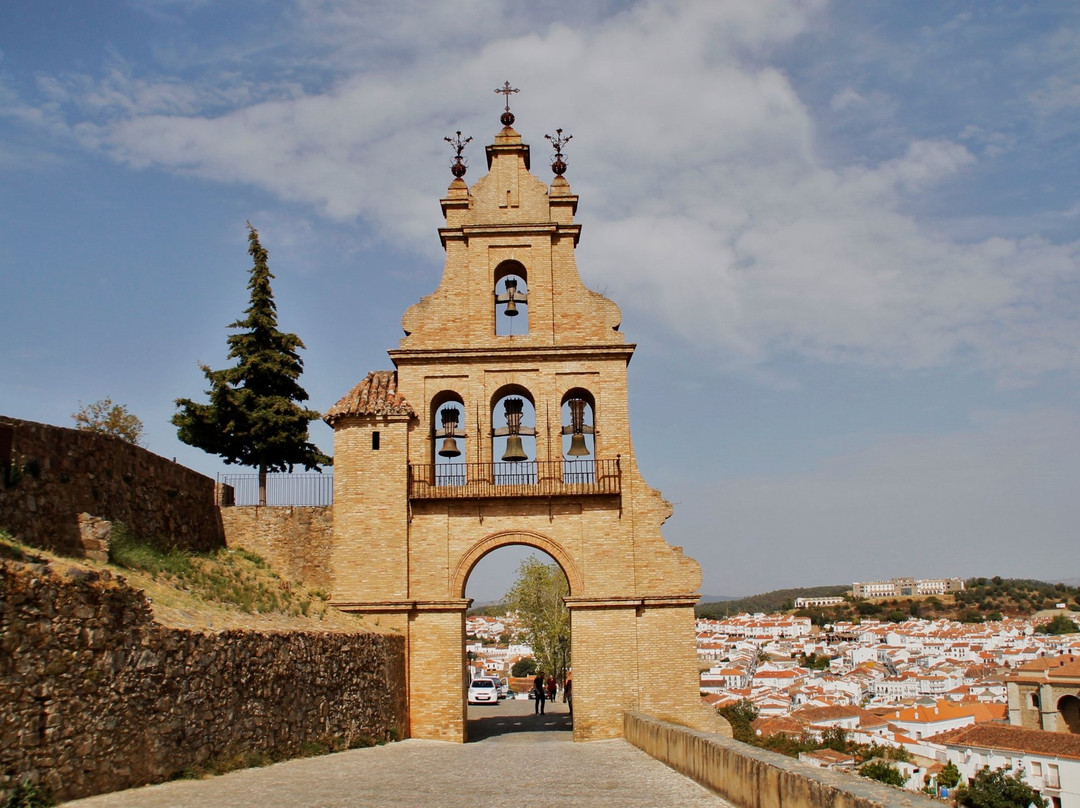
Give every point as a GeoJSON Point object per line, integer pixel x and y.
{"type": "Point", "coordinates": [514, 717]}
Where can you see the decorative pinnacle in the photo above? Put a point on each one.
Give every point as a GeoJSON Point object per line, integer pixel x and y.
{"type": "Point", "coordinates": [558, 165]}
{"type": "Point", "coordinates": [460, 164]}
{"type": "Point", "coordinates": [507, 118]}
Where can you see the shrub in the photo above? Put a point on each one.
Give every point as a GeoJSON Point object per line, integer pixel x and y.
{"type": "Point", "coordinates": [882, 772]}
{"type": "Point", "coordinates": [28, 795]}
{"type": "Point", "coordinates": [998, 789]}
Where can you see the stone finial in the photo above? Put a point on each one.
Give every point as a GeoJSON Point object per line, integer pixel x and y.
{"type": "Point", "coordinates": [507, 118]}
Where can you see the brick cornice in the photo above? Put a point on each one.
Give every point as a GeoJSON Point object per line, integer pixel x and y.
{"type": "Point", "coordinates": [543, 353]}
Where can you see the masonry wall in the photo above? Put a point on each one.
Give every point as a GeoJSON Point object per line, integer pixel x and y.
{"type": "Point", "coordinates": [59, 473]}
{"type": "Point", "coordinates": [95, 696]}
{"type": "Point", "coordinates": [295, 540]}
{"type": "Point", "coordinates": [756, 778]}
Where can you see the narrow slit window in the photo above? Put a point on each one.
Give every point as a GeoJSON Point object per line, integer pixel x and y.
{"type": "Point", "coordinates": [375, 441]}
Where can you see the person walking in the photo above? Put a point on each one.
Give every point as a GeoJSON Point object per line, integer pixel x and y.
{"type": "Point", "coordinates": [538, 693]}
{"type": "Point", "coordinates": [552, 688]}
{"type": "Point", "coordinates": [568, 693]}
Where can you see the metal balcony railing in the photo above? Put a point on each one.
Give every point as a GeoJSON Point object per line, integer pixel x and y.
{"type": "Point", "coordinates": [551, 478]}
{"type": "Point", "coordinates": [302, 488]}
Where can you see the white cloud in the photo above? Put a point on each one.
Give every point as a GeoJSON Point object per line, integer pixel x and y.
{"type": "Point", "coordinates": [694, 157]}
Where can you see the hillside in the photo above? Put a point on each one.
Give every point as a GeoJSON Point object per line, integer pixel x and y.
{"type": "Point", "coordinates": [982, 599]}
{"type": "Point", "coordinates": [226, 589]}
{"type": "Point", "coordinates": [776, 601]}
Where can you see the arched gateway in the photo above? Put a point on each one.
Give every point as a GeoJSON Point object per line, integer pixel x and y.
{"type": "Point", "coordinates": [505, 422]}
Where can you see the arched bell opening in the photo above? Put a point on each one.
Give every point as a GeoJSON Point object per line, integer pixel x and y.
{"type": "Point", "coordinates": [579, 436]}
{"type": "Point", "coordinates": [448, 439]}
{"type": "Point", "coordinates": [1069, 707]}
{"type": "Point", "coordinates": [511, 292]}
{"type": "Point", "coordinates": [513, 436]}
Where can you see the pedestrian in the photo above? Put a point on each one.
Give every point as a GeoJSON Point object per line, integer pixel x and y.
{"type": "Point", "coordinates": [567, 693]}
{"type": "Point", "coordinates": [538, 694]}
{"type": "Point", "coordinates": [551, 688]}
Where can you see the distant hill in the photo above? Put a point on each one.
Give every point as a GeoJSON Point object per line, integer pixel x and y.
{"type": "Point", "coordinates": [776, 601]}
{"type": "Point", "coordinates": [982, 599]}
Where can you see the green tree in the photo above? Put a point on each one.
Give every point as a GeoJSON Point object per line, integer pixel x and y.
{"type": "Point", "coordinates": [538, 598]}
{"type": "Point", "coordinates": [882, 772]}
{"type": "Point", "coordinates": [254, 417]}
{"type": "Point", "coordinates": [1059, 625]}
{"type": "Point", "coordinates": [949, 775]}
{"type": "Point", "coordinates": [741, 715]}
{"type": "Point", "coordinates": [107, 418]}
{"type": "Point", "coordinates": [998, 789]}
{"type": "Point", "coordinates": [834, 738]}
{"type": "Point", "coordinates": [526, 666]}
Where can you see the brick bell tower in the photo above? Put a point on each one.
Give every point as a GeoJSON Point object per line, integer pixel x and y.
{"type": "Point", "coordinates": [505, 423]}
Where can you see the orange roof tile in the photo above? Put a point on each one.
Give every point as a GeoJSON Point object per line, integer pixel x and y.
{"type": "Point", "coordinates": [375, 395]}
{"type": "Point", "coordinates": [1012, 738]}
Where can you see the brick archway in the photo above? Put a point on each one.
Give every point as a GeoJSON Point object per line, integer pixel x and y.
{"type": "Point", "coordinates": [507, 538]}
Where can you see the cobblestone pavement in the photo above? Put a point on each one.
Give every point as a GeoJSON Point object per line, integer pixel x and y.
{"type": "Point", "coordinates": [513, 760]}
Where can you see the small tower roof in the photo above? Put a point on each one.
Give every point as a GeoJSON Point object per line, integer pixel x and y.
{"type": "Point", "coordinates": [376, 395]}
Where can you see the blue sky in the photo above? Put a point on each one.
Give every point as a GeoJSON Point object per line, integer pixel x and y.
{"type": "Point", "coordinates": [845, 237]}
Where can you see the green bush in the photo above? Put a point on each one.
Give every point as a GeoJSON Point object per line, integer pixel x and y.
{"type": "Point", "coordinates": [998, 789]}
{"type": "Point", "coordinates": [882, 772]}
{"type": "Point", "coordinates": [28, 795]}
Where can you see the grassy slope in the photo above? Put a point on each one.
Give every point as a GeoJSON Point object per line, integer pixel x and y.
{"type": "Point", "coordinates": [227, 589]}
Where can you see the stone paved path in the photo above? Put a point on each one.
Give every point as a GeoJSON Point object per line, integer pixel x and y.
{"type": "Point", "coordinates": [514, 760]}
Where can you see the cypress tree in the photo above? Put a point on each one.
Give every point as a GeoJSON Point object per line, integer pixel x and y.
{"type": "Point", "coordinates": [254, 417]}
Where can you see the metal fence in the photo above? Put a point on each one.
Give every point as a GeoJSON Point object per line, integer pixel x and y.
{"type": "Point", "coordinates": [310, 488]}
{"type": "Point", "coordinates": [526, 479]}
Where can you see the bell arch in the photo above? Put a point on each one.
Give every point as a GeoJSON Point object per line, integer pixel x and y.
{"type": "Point", "coordinates": [517, 418]}
{"type": "Point", "coordinates": [1069, 708]}
{"type": "Point", "coordinates": [511, 290]}
{"type": "Point", "coordinates": [446, 414]}
{"type": "Point", "coordinates": [578, 409]}
{"type": "Point", "coordinates": [506, 538]}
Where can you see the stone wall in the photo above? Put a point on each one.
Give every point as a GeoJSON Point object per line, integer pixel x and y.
{"type": "Point", "coordinates": [97, 697]}
{"type": "Point", "coordinates": [749, 777]}
{"type": "Point", "coordinates": [60, 473]}
{"type": "Point", "coordinates": [295, 540]}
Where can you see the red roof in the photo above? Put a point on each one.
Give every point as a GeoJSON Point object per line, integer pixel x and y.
{"type": "Point", "coordinates": [1007, 737]}
{"type": "Point", "coordinates": [376, 395]}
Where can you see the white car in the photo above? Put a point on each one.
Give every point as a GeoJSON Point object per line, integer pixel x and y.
{"type": "Point", "coordinates": [483, 691]}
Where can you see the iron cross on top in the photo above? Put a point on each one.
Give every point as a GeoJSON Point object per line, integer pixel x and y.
{"type": "Point", "coordinates": [506, 90]}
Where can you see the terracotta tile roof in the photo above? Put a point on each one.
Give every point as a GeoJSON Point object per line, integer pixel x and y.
{"type": "Point", "coordinates": [830, 756]}
{"type": "Point", "coordinates": [376, 395]}
{"type": "Point", "coordinates": [1007, 737]}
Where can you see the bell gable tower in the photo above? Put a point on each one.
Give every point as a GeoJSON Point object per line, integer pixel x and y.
{"type": "Point", "coordinates": [506, 422]}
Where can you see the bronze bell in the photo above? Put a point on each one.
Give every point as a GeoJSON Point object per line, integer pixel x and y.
{"type": "Point", "coordinates": [449, 448]}
{"type": "Point", "coordinates": [511, 292]}
{"type": "Point", "coordinates": [578, 447]}
{"type": "Point", "coordinates": [515, 452]}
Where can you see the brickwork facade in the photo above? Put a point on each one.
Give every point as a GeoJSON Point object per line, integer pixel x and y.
{"type": "Point", "coordinates": [409, 527]}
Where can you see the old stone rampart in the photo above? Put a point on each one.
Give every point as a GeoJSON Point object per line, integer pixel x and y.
{"type": "Point", "coordinates": [756, 778]}
{"type": "Point", "coordinates": [96, 696]}
{"type": "Point", "coordinates": [295, 540]}
{"type": "Point", "coordinates": [49, 475]}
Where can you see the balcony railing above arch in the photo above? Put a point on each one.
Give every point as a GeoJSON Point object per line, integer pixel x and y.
{"type": "Point", "coordinates": [550, 478]}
